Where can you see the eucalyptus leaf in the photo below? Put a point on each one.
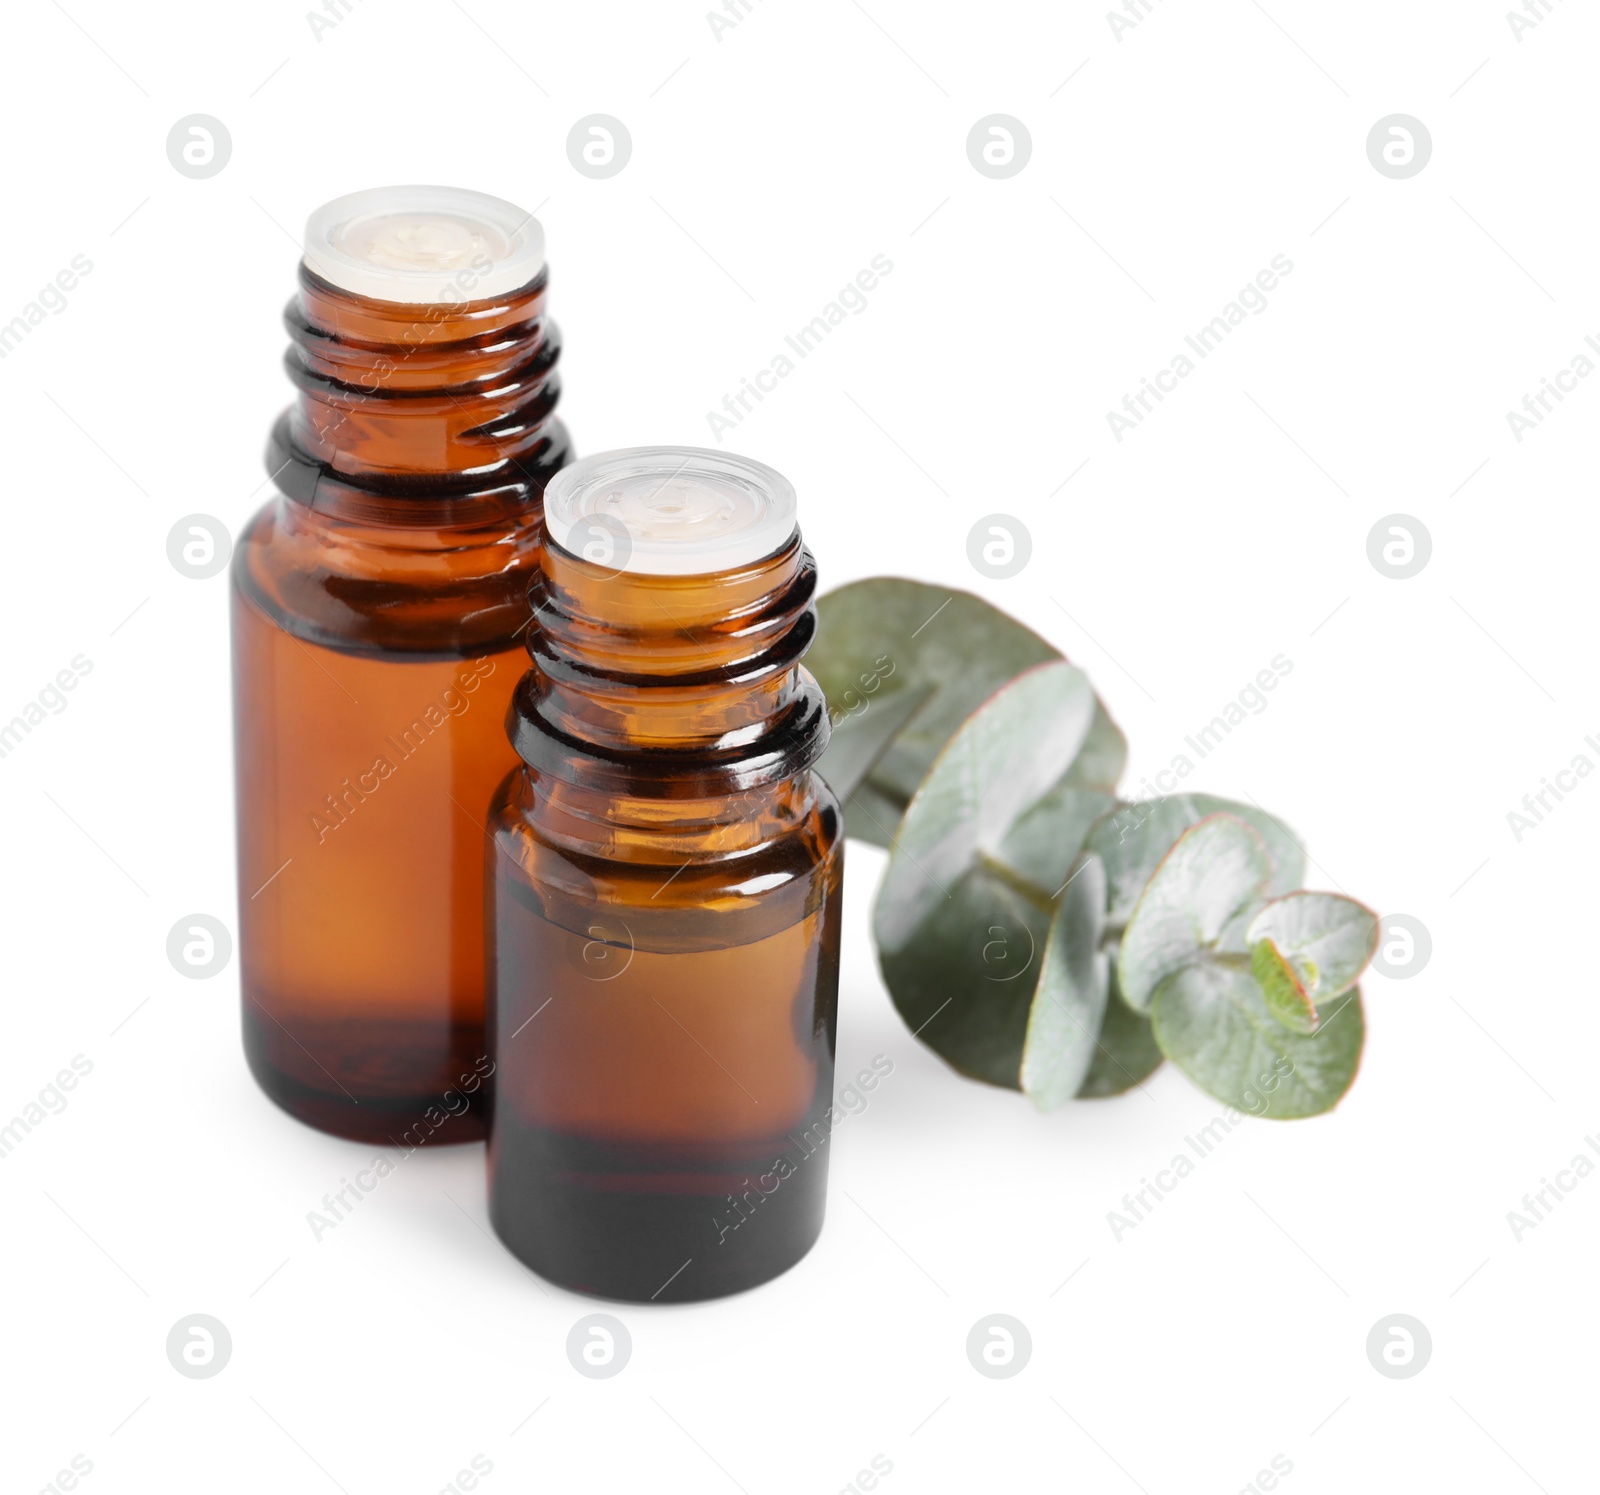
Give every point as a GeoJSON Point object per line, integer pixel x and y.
{"type": "Point", "coordinates": [1325, 938]}
{"type": "Point", "coordinates": [1213, 869]}
{"type": "Point", "coordinates": [1213, 1022]}
{"type": "Point", "coordinates": [1069, 1001]}
{"type": "Point", "coordinates": [859, 736]}
{"type": "Point", "coordinates": [885, 636]}
{"type": "Point", "coordinates": [1044, 844]}
{"type": "Point", "coordinates": [960, 931]}
{"type": "Point", "coordinates": [1133, 838]}
{"type": "Point", "coordinates": [1103, 756]}
{"type": "Point", "coordinates": [992, 771]}
{"type": "Point", "coordinates": [871, 815]}
{"type": "Point", "coordinates": [964, 983]}
{"type": "Point", "coordinates": [1234, 939]}
{"type": "Point", "coordinates": [1288, 857]}
{"type": "Point", "coordinates": [1286, 996]}
{"type": "Point", "coordinates": [1126, 1053]}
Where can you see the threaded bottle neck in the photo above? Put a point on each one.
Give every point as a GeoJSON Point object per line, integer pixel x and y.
{"type": "Point", "coordinates": [438, 414]}
{"type": "Point", "coordinates": [661, 686]}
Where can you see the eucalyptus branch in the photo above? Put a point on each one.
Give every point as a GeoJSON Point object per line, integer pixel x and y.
{"type": "Point", "coordinates": [967, 745]}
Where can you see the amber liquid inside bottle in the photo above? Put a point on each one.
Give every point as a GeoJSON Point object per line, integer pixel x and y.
{"type": "Point", "coordinates": [665, 877]}
{"type": "Point", "coordinates": [379, 616]}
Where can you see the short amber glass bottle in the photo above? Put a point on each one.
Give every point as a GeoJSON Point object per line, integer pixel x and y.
{"type": "Point", "coordinates": [380, 611]}
{"type": "Point", "coordinates": [665, 870]}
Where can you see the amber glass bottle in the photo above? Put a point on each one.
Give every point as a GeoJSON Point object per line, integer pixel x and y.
{"type": "Point", "coordinates": [380, 610]}
{"type": "Point", "coordinates": [665, 876]}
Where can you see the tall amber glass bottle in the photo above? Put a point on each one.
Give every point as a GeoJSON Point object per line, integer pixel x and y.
{"type": "Point", "coordinates": [380, 610]}
{"type": "Point", "coordinates": [665, 878]}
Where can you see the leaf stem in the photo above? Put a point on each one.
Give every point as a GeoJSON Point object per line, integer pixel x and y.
{"type": "Point", "coordinates": [1008, 876]}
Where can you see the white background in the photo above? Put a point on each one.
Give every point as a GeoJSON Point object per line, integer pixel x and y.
{"type": "Point", "coordinates": [769, 166]}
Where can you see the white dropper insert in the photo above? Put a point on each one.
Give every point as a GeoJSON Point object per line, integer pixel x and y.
{"type": "Point", "coordinates": [669, 510]}
{"type": "Point", "coordinates": [424, 244]}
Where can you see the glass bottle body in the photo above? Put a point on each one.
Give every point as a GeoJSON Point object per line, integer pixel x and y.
{"type": "Point", "coordinates": [379, 612]}
{"type": "Point", "coordinates": [665, 875]}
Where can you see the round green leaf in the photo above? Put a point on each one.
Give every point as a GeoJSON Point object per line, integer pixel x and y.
{"type": "Point", "coordinates": [1044, 844]}
{"type": "Point", "coordinates": [883, 637]}
{"type": "Point", "coordinates": [1132, 838]}
{"type": "Point", "coordinates": [1103, 756]}
{"type": "Point", "coordinates": [1212, 871]}
{"type": "Point", "coordinates": [964, 981]}
{"type": "Point", "coordinates": [1000, 763]}
{"type": "Point", "coordinates": [1069, 1002]}
{"type": "Point", "coordinates": [1325, 939]}
{"type": "Point", "coordinates": [1126, 1054]}
{"type": "Point", "coordinates": [1288, 858]}
{"type": "Point", "coordinates": [1213, 1022]}
{"type": "Point", "coordinates": [960, 930]}
{"type": "Point", "coordinates": [857, 738]}
{"type": "Point", "coordinates": [1287, 999]}
{"type": "Point", "coordinates": [872, 815]}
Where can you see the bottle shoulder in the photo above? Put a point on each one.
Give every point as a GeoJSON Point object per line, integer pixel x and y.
{"type": "Point", "coordinates": [388, 589]}
{"type": "Point", "coordinates": [769, 866]}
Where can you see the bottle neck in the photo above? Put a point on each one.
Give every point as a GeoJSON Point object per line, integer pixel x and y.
{"type": "Point", "coordinates": [419, 415]}
{"type": "Point", "coordinates": [686, 689]}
